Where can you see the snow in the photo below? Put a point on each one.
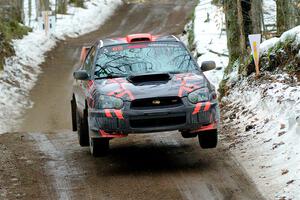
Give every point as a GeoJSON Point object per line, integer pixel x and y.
{"type": "Point", "coordinates": [21, 71]}
{"type": "Point", "coordinates": [290, 34]}
{"type": "Point", "coordinates": [268, 108]}
{"type": "Point", "coordinates": [293, 33]}
{"type": "Point", "coordinates": [210, 36]}
{"type": "Point", "coordinates": [266, 45]}
{"type": "Point", "coordinates": [269, 151]}
{"type": "Point", "coordinates": [269, 10]}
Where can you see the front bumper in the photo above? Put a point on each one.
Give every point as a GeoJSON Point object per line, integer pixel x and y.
{"type": "Point", "coordinates": [187, 117]}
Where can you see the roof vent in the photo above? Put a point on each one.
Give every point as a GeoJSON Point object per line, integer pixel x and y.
{"type": "Point", "coordinates": [141, 37]}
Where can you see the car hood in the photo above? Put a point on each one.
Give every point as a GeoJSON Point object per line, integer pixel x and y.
{"type": "Point", "coordinates": [176, 85]}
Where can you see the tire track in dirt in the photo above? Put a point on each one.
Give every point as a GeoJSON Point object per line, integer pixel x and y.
{"type": "Point", "coordinates": [56, 166]}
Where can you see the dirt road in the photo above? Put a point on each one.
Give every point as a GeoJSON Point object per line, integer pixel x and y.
{"type": "Point", "coordinates": [46, 162]}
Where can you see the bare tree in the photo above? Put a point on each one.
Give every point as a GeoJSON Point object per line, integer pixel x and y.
{"type": "Point", "coordinates": [288, 14]}
{"type": "Point", "coordinates": [295, 12]}
{"type": "Point", "coordinates": [256, 16]}
{"type": "Point", "coordinates": [78, 3]}
{"type": "Point", "coordinates": [243, 17]}
{"type": "Point", "coordinates": [44, 5]}
{"type": "Point", "coordinates": [235, 34]}
{"type": "Point", "coordinates": [62, 6]}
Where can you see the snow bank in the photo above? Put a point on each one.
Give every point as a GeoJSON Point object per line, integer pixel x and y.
{"type": "Point", "coordinates": [210, 38]}
{"type": "Point", "coordinates": [266, 45]}
{"type": "Point", "coordinates": [293, 34]}
{"type": "Point", "coordinates": [21, 71]}
{"type": "Point", "coordinates": [266, 114]}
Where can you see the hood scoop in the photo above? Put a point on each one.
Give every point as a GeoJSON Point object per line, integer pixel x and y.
{"type": "Point", "coordinates": [142, 78]}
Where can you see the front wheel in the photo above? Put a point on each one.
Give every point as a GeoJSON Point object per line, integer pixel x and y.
{"type": "Point", "coordinates": [99, 146]}
{"type": "Point", "coordinates": [208, 139]}
{"type": "Point", "coordinates": [82, 129]}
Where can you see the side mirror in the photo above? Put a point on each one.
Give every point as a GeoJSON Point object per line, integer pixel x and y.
{"type": "Point", "coordinates": [81, 75]}
{"type": "Point", "coordinates": [208, 65]}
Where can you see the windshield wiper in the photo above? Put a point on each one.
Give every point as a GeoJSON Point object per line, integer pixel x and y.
{"type": "Point", "coordinates": [111, 76]}
{"type": "Point", "coordinates": [175, 72]}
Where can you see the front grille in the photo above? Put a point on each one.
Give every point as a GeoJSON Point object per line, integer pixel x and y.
{"type": "Point", "coordinates": [159, 102]}
{"type": "Point", "coordinates": [157, 122]}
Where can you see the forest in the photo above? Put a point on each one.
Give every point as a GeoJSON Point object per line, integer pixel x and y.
{"type": "Point", "coordinates": [13, 13]}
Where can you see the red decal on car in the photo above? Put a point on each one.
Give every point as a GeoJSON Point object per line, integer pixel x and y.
{"type": "Point", "coordinates": [119, 114]}
{"type": "Point", "coordinates": [91, 90]}
{"type": "Point", "coordinates": [117, 48]}
{"type": "Point", "coordinates": [211, 126]}
{"type": "Point", "coordinates": [197, 108]}
{"type": "Point", "coordinates": [122, 91]}
{"type": "Point", "coordinates": [90, 84]}
{"type": "Point", "coordinates": [207, 106]}
{"type": "Point", "coordinates": [138, 46]}
{"type": "Point", "coordinates": [107, 113]}
{"type": "Point", "coordinates": [184, 86]}
{"type": "Point", "coordinates": [114, 135]}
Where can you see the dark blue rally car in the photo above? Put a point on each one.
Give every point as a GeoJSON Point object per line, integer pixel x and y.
{"type": "Point", "coordinates": [139, 84]}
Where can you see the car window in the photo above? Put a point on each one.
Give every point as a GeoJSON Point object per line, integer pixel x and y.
{"type": "Point", "coordinates": [88, 64]}
{"type": "Point", "coordinates": [139, 58]}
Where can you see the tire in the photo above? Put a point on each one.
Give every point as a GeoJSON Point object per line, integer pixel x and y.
{"type": "Point", "coordinates": [185, 134]}
{"type": "Point", "coordinates": [99, 146]}
{"type": "Point", "coordinates": [208, 139]}
{"type": "Point", "coordinates": [82, 129]}
{"type": "Point", "coordinates": [74, 114]}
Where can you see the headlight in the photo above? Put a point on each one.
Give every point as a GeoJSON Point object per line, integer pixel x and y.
{"type": "Point", "coordinates": [108, 102]}
{"type": "Point", "coordinates": [199, 95]}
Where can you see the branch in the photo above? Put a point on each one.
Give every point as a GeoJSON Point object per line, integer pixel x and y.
{"type": "Point", "coordinates": [219, 54]}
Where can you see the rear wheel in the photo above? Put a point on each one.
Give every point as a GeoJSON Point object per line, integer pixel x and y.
{"type": "Point", "coordinates": [99, 146]}
{"type": "Point", "coordinates": [74, 114]}
{"type": "Point", "coordinates": [208, 139]}
{"type": "Point", "coordinates": [82, 129]}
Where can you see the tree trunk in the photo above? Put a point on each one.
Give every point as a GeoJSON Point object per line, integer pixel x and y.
{"type": "Point", "coordinates": [235, 35]}
{"type": "Point", "coordinates": [256, 16]}
{"type": "Point", "coordinates": [29, 12]}
{"type": "Point", "coordinates": [44, 5]}
{"type": "Point", "coordinates": [283, 15]}
{"type": "Point", "coordinates": [37, 9]}
{"type": "Point", "coordinates": [78, 3]}
{"type": "Point", "coordinates": [62, 6]}
{"type": "Point", "coordinates": [16, 10]}
{"type": "Point", "coordinates": [296, 12]}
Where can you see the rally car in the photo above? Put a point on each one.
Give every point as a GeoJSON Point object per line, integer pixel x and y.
{"type": "Point", "coordinates": [142, 83]}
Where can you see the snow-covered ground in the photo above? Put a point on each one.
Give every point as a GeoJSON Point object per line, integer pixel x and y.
{"type": "Point", "coordinates": [21, 71]}
{"type": "Point", "coordinates": [265, 113]}
{"type": "Point", "coordinates": [210, 38]}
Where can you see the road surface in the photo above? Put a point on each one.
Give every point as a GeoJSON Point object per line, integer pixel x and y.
{"type": "Point", "coordinates": [44, 161]}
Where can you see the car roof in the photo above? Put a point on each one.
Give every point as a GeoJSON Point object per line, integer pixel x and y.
{"type": "Point", "coordinates": [133, 38]}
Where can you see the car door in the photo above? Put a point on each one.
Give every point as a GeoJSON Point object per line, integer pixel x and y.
{"type": "Point", "coordinates": [83, 84]}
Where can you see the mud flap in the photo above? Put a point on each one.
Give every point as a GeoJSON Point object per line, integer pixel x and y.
{"type": "Point", "coordinates": [73, 111]}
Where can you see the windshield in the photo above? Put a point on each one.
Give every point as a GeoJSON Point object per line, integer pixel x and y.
{"type": "Point", "coordinates": [141, 58]}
